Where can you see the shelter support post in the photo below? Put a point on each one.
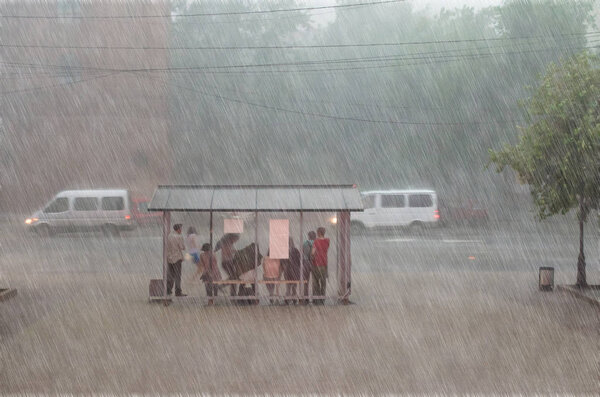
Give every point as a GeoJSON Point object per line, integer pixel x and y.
{"type": "Point", "coordinates": [166, 225]}
{"type": "Point", "coordinates": [256, 255]}
{"type": "Point", "coordinates": [210, 230]}
{"type": "Point", "coordinates": [301, 246]}
{"type": "Point", "coordinates": [344, 259]}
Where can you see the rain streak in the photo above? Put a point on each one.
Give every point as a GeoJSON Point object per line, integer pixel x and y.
{"type": "Point", "coordinates": [300, 197]}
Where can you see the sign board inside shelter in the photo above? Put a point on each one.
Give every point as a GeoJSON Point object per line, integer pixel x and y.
{"type": "Point", "coordinates": [279, 238]}
{"type": "Point", "coordinates": [233, 226]}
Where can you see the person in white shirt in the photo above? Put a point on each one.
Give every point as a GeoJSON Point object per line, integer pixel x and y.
{"type": "Point", "coordinates": [175, 246]}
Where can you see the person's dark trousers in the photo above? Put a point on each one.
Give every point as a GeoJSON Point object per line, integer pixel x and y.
{"type": "Point", "coordinates": [290, 290]}
{"type": "Point", "coordinates": [319, 283]}
{"type": "Point", "coordinates": [230, 270]}
{"type": "Point", "coordinates": [242, 286]}
{"type": "Point", "coordinates": [174, 275]}
{"type": "Point", "coordinates": [211, 289]}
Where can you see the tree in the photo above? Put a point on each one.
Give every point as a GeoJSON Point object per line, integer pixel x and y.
{"type": "Point", "coordinates": [558, 153]}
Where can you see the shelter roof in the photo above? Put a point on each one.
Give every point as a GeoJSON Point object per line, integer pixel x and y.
{"type": "Point", "coordinates": [262, 198]}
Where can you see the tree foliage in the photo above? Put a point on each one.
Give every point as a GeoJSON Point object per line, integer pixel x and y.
{"type": "Point", "coordinates": [558, 154]}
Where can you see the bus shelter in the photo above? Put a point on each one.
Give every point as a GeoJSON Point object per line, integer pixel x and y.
{"type": "Point", "coordinates": [255, 199]}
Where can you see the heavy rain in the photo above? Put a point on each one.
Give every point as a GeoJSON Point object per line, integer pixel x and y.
{"type": "Point", "coordinates": [162, 164]}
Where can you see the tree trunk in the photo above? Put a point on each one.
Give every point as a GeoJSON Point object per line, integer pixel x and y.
{"type": "Point", "coordinates": [581, 278]}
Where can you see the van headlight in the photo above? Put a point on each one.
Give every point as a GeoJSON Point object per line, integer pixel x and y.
{"type": "Point", "coordinates": [30, 221]}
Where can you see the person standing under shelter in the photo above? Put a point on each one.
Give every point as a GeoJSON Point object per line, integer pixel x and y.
{"type": "Point", "coordinates": [192, 247]}
{"type": "Point", "coordinates": [319, 269]}
{"type": "Point", "coordinates": [211, 272]}
{"type": "Point", "coordinates": [225, 244]}
{"type": "Point", "coordinates": [307, 262]}
{"type": "Point", "coordinates": [291, 270]}
{"type": "Point", "coordinates": [175, 246]}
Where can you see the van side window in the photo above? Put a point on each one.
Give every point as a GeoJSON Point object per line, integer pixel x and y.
{"type": "Point", "coordinates": [112, 204]}
{"type": "Point", "coordinates": [85, 204]}
{"type": "Point", "coordinates": [368, 201]}
{"type": "Point", "coordinates": [59, 205]}
{"type": "Point", "coordinates": [420, 200]}
{"type": "Point", "coordinates": [392, 201]}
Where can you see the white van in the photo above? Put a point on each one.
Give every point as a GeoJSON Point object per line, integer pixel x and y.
{"type": "Point", "coordinates": [81, 210]}
{"type": "Point", "coordinates": [397, 208]}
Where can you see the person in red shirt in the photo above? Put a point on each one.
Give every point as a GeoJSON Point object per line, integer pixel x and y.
{"type": "Point", "coordinates": [319, 269]}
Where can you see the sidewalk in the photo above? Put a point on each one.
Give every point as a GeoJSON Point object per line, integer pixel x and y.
{"type": "Point", "coordinates": [590, 295]}
{"type": "Point", "coordinates": [422, 333]}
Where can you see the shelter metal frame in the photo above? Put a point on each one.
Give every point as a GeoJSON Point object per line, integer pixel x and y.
{"type": "Point", "coordinates": [341, 199]}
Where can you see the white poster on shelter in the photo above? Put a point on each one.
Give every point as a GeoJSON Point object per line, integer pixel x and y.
{"type": "Point", "coordinates": [233, 226]}
{"type": "Point", "coordinates": [279, 238]}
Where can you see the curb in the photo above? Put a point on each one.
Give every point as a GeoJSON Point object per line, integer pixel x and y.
{"type": "Point", "coordinates": [577, 293]}
{"type": "Point", "coordinates": [7, 293]}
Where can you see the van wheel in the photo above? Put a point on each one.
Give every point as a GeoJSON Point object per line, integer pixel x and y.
{"type": "Point", "coordinates": [43, 230]}
{"type": "Point", "coordinates": [110, 230]}
{"type": "Point", "coordinates": [357, 228]}
{"type": "Point", "coordinates": [416, 228]}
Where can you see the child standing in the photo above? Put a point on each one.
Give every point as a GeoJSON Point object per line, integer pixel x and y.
{"type": "Point", "coordinates": [211, 273]}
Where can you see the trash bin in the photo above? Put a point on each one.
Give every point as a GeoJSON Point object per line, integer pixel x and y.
{"type": "Point", "coordinates": [156, 289]}
{"type": "Point", "coordinates": [546, 278]}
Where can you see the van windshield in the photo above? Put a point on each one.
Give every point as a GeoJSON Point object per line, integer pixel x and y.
{"type": "Point", "coordinates": [61, 204]}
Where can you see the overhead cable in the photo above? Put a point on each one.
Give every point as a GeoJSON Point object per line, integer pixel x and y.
{"type": "Point", "coordinates": [294, 46]}
{"type": "Point", "coordinates": [396, 57]}
{"type": "Point", "coordinates": [327, 116]}
{"type": "Point", "coordinates": [205, 14]}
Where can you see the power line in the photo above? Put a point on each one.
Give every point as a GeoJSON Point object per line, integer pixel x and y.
{"type": "Point", "coordinates": [323, 115]}
{"type": "Point", "coordinates": [237, 20]}
{"type": "Point", "coordinates": [268, 107]}
{"type": "Point", "coordinates": [373, 103]}
{"type": "Point", "coordinates": [384, 58]}
{"type": "Point", "coordinates": [271, 107]}
{"type": "Point", "coordinates": [391, 66]}
{"type": "Point", "coordinates": [253, 20]}
{"type": "Point", "coordinates": [278, 47]}
{"type": "Point", "coordinates": [207, 14]}
{"type": "Point", "coordinates": [386, 67]}
{"type": "Point", "coordinates": [397, 57]}
{"type": "Point", "coordinates": [56, 85]}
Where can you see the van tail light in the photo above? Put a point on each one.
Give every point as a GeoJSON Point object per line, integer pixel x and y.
{"type": "Point", "coordinates": [128, 217]}
{"type": "Point", "coordinates": [436, 214]}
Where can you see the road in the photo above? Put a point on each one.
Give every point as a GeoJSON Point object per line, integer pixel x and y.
{"type": "Point", "coordinates": [451, 311]}
{"type": "Point", "coordinates": [520, 248]}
